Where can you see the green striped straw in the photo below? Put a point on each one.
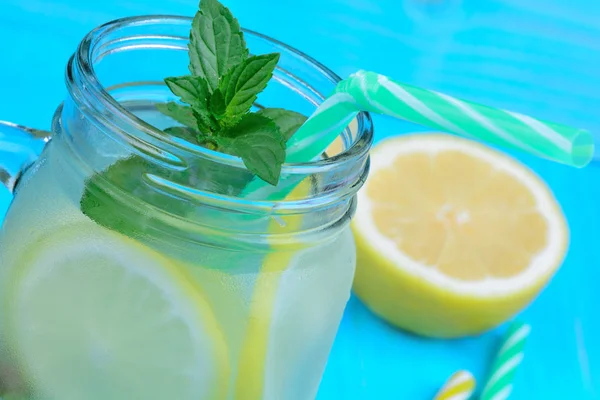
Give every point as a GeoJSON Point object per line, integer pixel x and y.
{"type": "Point", "coordinates": [500, 383]}
{"type": "Point", "coordinates": [376, 93]}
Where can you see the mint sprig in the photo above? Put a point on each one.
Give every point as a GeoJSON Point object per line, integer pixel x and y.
{"type": "Point", "coordinates": [224, 84]}
{"type": "Point", "coordinates": [214, 111]}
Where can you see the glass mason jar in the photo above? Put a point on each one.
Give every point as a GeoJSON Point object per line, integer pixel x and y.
{"type": "Point", "coordinates": [132, 267]}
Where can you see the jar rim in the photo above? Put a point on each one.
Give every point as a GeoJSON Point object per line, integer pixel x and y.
{"type": "Point", "coordinates": [84, 59]}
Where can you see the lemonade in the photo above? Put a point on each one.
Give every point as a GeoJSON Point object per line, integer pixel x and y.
{"type": "Point", "coordinates": [81, 321]}
{"type": "Point", "coordinates": [159, 280]}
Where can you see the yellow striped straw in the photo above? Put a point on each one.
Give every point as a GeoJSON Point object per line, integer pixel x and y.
{"type": "Point", "coordinates": [460, 386]}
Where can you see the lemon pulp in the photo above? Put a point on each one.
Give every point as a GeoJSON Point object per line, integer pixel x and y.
{"type": "Point", "coordinates": [453, 238]}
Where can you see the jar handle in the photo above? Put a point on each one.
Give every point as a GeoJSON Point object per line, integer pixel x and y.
{"type": "Point", "coordinates": [20, 146]}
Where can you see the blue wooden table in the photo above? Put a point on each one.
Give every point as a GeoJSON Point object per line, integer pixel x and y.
{"type": "Point", "coordinates": [538, 57]}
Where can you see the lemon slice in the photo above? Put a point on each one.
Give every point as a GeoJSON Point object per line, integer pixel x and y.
{"type": "Point", "coordinates": [453, 238]}
{"type": "Point", "coordinates": [252, 361]}
{"type": "Point", "coordinates": [97, 315]}
{"type": "Point", "coordinates": [295, 309]}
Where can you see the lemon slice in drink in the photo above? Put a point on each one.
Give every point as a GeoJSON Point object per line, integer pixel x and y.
{"type": "Point", "coordinates": [453, 238]}
{"type": "Point", "coordinates": [294, 313]}
{"type": "Point", "coordinates": [97, 315]}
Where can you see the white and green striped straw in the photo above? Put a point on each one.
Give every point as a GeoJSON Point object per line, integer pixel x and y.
{"type": "Point", "coordinates": [510, 355]}
{"type": "Point", "coordinates": [376, 93]}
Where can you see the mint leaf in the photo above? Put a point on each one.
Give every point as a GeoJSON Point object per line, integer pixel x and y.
{"type": "Point", "coordinates": [104, 200]}
{"type": "Point", "coordinates": [206, 122]}
{"type": "Point", "coordinates": [187, 116]}
{"type": "Point", "coordinates": [258, 141]}
{"type": "Point", "coordinates": [216, 42]}
{"type": "Point", "coordinates": [248, 123]}
{"type": "Point", "coordinates": [108, 207]}
{"type": "Point", "coordinates": [190, 135]}
{"type": "Point", "coordinates": [287, 121]}
{"type": "Point", "coordinates": [242, 84]}
{"type": "Point", "coordinates": [192, 90]}
{"type": "Point", "coordinates": [216, 104]}
{"type": "Point", "coordinates": [183, 133]}
{"type": "Point", "coordinates": [182, 114]}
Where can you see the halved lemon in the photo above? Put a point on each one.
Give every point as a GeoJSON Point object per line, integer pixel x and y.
{"type": "Point", "coordinates": [95, 315]}
{"type": "Point", "coordinates": [453, 238]}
